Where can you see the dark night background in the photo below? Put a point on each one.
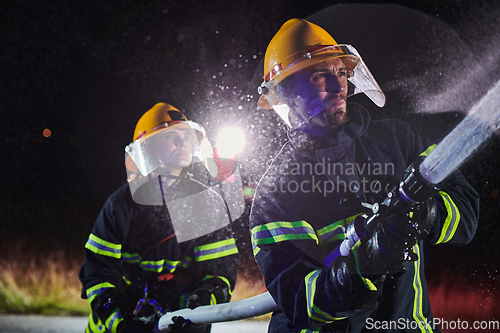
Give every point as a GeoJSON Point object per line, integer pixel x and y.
{"type": "Point", "coordinates": [88, 70]}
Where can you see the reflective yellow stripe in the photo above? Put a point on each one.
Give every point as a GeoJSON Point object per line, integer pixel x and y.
{"type": "Point", "coordinates": [226, 281]}
{"type": "Point", "coordinates": [313, 311]}
{"type": "Point", "coordinates": [334, 231]}
{"type": "Point", "coordinates": [160, 265]}
{"type": "Point", "coordinates": [428, 150]}
{"type": "Point", "coordinates": [256, 249]}
{"type": "Point", "coordinates": [452, 219]}
{"type": "Point", "coordinates": [113, 321]}
{"type": "Point", "coordinates": [215, 250]}
{"type": "Point", "coordinates": [95, 325]}
{"type": "Point", "coordinates": [102, 247]}
{"type": "Point", "coordinates": [418, 313]}
{"type": "Point", "coordinates": [275, 232]}
{"type": "Point", "coordinates": [332, 227]}
{"type": "Point", "coordinates": [98, 289]}
{"type": "Point", "coordinates": [367, 282]}
{"type": "Point", "coordinates": [151, 265]}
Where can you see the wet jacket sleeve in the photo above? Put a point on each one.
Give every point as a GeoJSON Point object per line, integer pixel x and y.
{"type": "Point", "coordinates": [284, 247]}
{"type": "Point", "coordinates": [458, 202]}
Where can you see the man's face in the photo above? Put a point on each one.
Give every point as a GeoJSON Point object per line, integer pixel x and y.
{"type": "Point", "coordinates": [323, 90]}
{"type": "Point", "coordinates": [174, 148]}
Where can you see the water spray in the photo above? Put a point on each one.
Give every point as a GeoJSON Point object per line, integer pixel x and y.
{"type": "Point", "coordinates": [482, 121]}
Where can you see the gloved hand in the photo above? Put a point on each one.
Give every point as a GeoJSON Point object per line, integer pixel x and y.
{"type": "Point", "coordinates": [213, 291]}
{"type": "Point", "coordinates": [356, 291]}
{"type": "Point", "coordinates": [424, 216]}
{"type": "Point", "coordinates": [137, 325]}
{"type": "Point", "coordinates": [181, 325]}
{"type": "Point", "coordinates": [201, 296]}
{"type": "Point", "coordinates": [383, 247]}
{"type": "Point", "coordinates": [129, 325]}
{"type": "Point", "coordinates": [386, 248]}
{"type": "Point", "coordinates": [111, 303]}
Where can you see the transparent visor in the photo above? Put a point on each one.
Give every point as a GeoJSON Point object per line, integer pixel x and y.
{"type": "Point", "coordinates": [167, 148]}
{"type": "Point", "coordinates": [296, 103]}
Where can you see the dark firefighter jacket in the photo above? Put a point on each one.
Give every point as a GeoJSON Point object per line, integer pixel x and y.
{"type": "Point", "coordinates": [132, 244]}
{"type": "Point", "coordinates": [298, 218]}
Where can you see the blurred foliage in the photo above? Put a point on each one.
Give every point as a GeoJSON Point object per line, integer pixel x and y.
{"type": "Point", "coordinates": [41, 284]}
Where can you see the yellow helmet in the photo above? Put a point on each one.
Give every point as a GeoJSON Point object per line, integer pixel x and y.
{"type": "Point", "coordinates": [300, 44]}
{"type": "Point", "coordinates": [297, 45]}
{"type": "Point", "coordinates": [156, 118]}
{"type": "Point", "coordinates": [160, 119]}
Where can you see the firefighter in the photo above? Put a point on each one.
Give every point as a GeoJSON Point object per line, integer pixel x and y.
{"type": "Point", "coordinates": [338, 178]}
{"type": "Point", "coordinates": [163, 240]}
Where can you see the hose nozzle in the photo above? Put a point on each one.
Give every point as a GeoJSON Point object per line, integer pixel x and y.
{"type": "Point", "coordinates": [412, 189]}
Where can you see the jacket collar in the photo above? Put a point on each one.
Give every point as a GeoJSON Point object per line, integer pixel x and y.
{"type": "Point", "coordinates": [358, 122]}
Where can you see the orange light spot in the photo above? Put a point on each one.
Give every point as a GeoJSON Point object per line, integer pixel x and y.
{"type": "Point", "coordinates": [495, 193]}
{"type": "Point", "coordinates": [47, 132]}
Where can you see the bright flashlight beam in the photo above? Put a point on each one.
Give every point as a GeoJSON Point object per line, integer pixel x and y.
{"type": "Point", "coordinates": [230, 142]}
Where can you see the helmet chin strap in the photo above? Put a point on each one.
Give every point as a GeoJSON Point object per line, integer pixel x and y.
{"type": "Point", "coordinates": [177, 180]}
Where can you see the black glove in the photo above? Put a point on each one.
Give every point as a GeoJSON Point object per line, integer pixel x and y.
{"type": "Point", "coordinates": [108, 303]}
{"type": "Point", "coordinates": [129, 325]}
{"type": "Point", "coordinates": [424, 216]}
{"type": "Point", "coordinates": [356, 291]}
{"type": "Point", "coordinates": [138, 324]}
{"type": "Point", "coordinates": [213, 291]}
{"type": "Point", "coordinates": [113, 300]}
{"type": "Point", "coordinates": [385, 248]}
{"type": "Point", "coordinates": [181, 325]}
{"type": "Point", "coordinates": [201, 296]}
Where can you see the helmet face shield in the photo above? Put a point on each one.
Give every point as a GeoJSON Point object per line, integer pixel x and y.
{"type": "Point", "coordinates": [296, 106]}
{"type": "Point", "coordinates": [159, 151]}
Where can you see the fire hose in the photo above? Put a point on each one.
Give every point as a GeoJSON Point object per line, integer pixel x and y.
{"type": "Point", "coordinates": [244, 309]}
